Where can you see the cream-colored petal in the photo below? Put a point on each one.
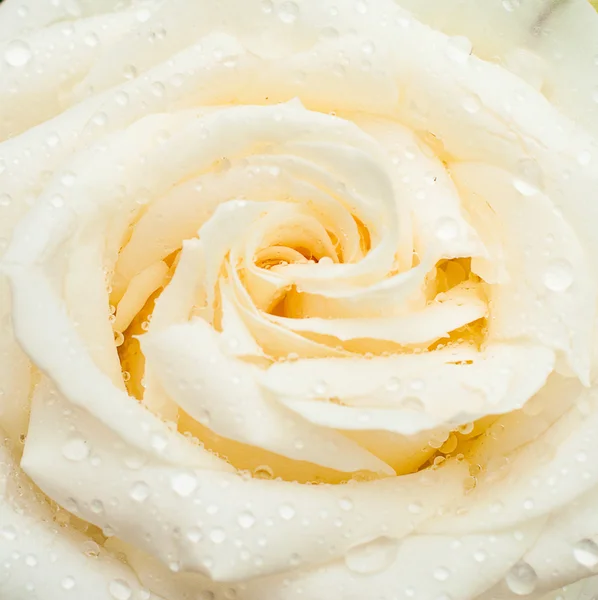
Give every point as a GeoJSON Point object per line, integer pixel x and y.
{"type": "Point", "coordinates": [16, 375]}
{"type": "Point", "coordinates": [140, 288]}
{"type": "Point", "coordinates": [550, 45]}
{"type": "Point", "coordinates": [53, 344]}
{"type": "Point", "coordinates": [221, 393]}
{"type": "Point", "coordinates": [458, 307]}
{"type": "Point", "coordinates": [550, 296]}
{"type": "Point", "coordinates": [43, 558]}
{"type": "Point", "coordinates": [85, 293]}
{"type": "Point", "coordinates": [419, 566]}
{"type": "Point", "coordinates": [538, 479]}
{"type": "Point", "coordinates": [276, 342]}
{"type": "Point", "coordinates": [425, 188]}
{"type": "Point", "coordinates": [567, 550]}
{"type": "Point", "coordinates": [220, 516]}
{"type": "Point", "coordinates": [40, 67]}
{"type": "Point", "coordinates": [174, 305]}
{"type": "Point", "coordinates": [236, 337]}
{"type": "Point", "coordinates": [446, 386]}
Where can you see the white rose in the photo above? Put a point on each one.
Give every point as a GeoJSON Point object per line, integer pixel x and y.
{"type": "Point", "coordinates": [298, 299]}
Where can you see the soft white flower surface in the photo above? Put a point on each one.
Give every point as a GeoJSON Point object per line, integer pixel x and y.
{"type": "Point", "coordinates": [298, 299]}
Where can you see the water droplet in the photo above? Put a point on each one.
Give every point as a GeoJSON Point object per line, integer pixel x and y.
{"type": "Point", "coordinates": [584, 158]}
{"type": "Point", "coordinates": [459, 48]}
{"type": "Point", "coordinates": [480, 556]}
{"type": "Point", "coordinates": [450, 445]}
{"type": "Point", "coordinates": [17, 53]}
{"type": "Point", "coordinates": [194, 535]}
{"type": "Point", "coordinates": [75, 449]}
{"type": "Point", "coordinates": [246, 520]}
{"type": "Point", "coordinates": [184, 484]}
{"type": "Point", "coordinates": [230, 62]}
{"type": "Point", "coordinates": [91, 548]}
{"type": "Point", "coordinates": [120, 590]}
{"type": "Point", "coordinates": [471, 105]}
{"type": "Point", "coordinates": [447, 229]}
{"type": "Point", "coordinates": [559, 276]}
{"type": "Point", "coordinates": [68, 583]}
{"type": "Point", "coordinates": [97, 507]}
{"type": "Point", "coordinates": [218, 535]}
{"type": "Point", "coordinates": [57, 201]}
{"type": "Point", "coordinates": [393, 384]}
{"type": "Point", "coordinates": [441, 574]}
{"type": "Point", "coordinates": [31, 560]}
{"type": "Point", "coordinates": [5, 200]}
{"type": "Point", "coordinates": [8, 533]}
{"type": "Point", "coordinates": [158, 89]}
{"type": "Point", "coordinates": [287, 512]}
{"type": "Point", "coordinates": [143, 15]}
{"type": "Point", "coordinates": [159, 442]}
{"type": "Point", "coordinates": [91, 39]}
{"type": "Point", "coordinates": [466, 428]}
{"type": "Point", "coordinates": [68, 179]}
{"type": "Point", "coordinates": [345, 504]}
{"type": "Point", "coordinates": [586, 553]}
{"type": "Point", "coordinates": [135, 461]}
{"type": "Point", "coordinates": [267, 6]}
{"type": "Point", "coordinates": [361, 7]}
{"type": "Point", "coordinates": [522, 579]}
{"type": "Point", "coordinates": [320, 388]}
{"type": "Point", "coordinates": [525, 188]}
{"type": "Point", "coordinates": [263, 472]}
{"type": "Point", "coordinates": [121, 98]}
{"type": "Point", "coordinates": [100, 119]}
{"type": "Point", "coordinates": [581, 457]}
{"type": "Point", "coordinates": [119, 338]}
{"type": "Point", "coordinates": [288, 12]}
{"type": "Point", "coordinates": [415, 508]}
{"type": "Point", "coordinates": [130, 72]}
{"type": "Point", "coordinates": [368, 47]}
{"type": "Point", "coordinates": [412, 403]}
{"type": "Point", "coordinates": [140, 491]}
{"type": "Point", "coordinates": [510, 5]}
{"type": "Point", "coordinates": [373, 557]}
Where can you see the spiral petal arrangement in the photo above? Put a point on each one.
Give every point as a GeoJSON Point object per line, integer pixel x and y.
{"type": "Point", "coordinates": [299, 298]}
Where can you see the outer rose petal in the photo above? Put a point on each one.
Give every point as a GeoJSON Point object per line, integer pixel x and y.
{"type": "Point", "coordinates": [42, 558]}
{"type": "Point", "coordinates": [552, 45]}
{"type": "Point", "coordinates": [157, 499]}
{"type": "Point", "coordinates": [427, 567]}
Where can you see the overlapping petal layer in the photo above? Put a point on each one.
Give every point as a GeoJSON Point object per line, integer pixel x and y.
{"type": "Point", "coordinates": [298, 299]}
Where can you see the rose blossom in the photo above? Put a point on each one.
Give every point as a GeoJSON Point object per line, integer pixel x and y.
{"type": "Point", "coordinates": [298, 299]}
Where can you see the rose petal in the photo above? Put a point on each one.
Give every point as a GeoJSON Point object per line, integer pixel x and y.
{"type": "Point", "coordinates": [221, 393]}
{"type": "Point", "coordinates": [429, 566]}
{"type": "Point", "coordinates": [550, 296]}
{"type": "Point", "coordinates": [215, 511]}
{"type": "Point", "coordinates": [455, 385]}
{"type": "Point", "coordinates": [460, 306]}
{"type": "Point", "coordinates": [40, 557]}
